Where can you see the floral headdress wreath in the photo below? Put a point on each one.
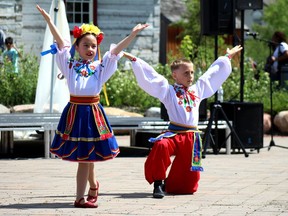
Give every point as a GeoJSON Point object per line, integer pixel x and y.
{"type": "Point", "coordinates": [84, 29]}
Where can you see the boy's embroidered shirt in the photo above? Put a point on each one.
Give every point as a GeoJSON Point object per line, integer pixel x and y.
{"type": "Point", "coordinates": [186, 97]}
{"type": "Point", "coordinates": [182, 104]}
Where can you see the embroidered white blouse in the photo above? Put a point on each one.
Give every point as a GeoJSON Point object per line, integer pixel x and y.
{"type": "Point", "coordinates": [157, 86]}
{"type": "Point", "coordinates": [82, 84]}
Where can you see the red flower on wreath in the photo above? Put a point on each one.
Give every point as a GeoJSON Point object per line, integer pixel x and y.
{"type": "Point", "coordinates": [77, 32]}
{"type": "Point", "coordinates": [100, 38]}
{"type": "Point", "coordinates": [188, 109]}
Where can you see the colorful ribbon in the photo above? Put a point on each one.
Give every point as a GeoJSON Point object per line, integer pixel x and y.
{"type": "Point", "coordinates": [53, 50]}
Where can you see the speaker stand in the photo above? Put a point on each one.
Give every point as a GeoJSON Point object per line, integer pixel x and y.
{"type": "Point", "coordinates": [216, 107]}
{"type": "Point", "coordinates": [272, 143]}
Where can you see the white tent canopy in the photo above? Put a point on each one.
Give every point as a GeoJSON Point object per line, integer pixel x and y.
{"type": "Point", "coordinates": [48, 71]}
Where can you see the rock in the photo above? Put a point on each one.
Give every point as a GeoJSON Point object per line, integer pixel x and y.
{"type": "Point", "coordinates": [24, 108]}
{"type": "Point", "coordinates": [153, 112]}
{"type": "Point", "coordinates": [281, 121]}
{"type": "Point", "coordinates": [4, 109]}
{"type": "Point", "coordinates": [266, 122]}
{"type": "Point", "coordinates": [119, 112]}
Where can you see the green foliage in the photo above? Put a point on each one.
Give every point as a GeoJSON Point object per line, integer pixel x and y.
{"type": "Point", "coordinates": [19, 88]}
{"type": "Point", "coordinates": [201, 50]}
{"type": "Point", "coordinates": [123, 91]}
{"type": "Point", "coordinates": [275, 16]}
{"type": "Point", "coordinates": [274, 19]}
{"type": "Point", "coordinates": [122, 87]}
{"type": "Point", "coordinates": [256, 86]}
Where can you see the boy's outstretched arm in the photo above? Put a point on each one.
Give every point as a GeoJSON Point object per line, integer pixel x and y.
{"type": "Point", "coordinates": [126, 41]}
{"type": "Point", "coordinates": [129, 56]}
{"type": "Point", "coordinates": [52, 27]}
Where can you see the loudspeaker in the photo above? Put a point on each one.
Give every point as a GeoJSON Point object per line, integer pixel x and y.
{"type": "Point", "coordinates": [247, 120]}
{"type": "Point", "coordinates": [217, 17]}
{"type": "Point", "coordinates": [284, 76]}
{"type": "Point", "coordinates": [202, 111]}
{"type": "Point", "coordinates": [142, 137]}
{"type": "Point", "coordinates": [163, 113]}
{"type": "Point", "coordinates": [249, 4]}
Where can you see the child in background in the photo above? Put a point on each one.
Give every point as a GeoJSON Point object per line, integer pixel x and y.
{"type": "Point", "coordinates": [182, 139]}
{"type": "Point", "coordinates": [84, 134]}
{"type": "Point", "coordinates": [11, 53]}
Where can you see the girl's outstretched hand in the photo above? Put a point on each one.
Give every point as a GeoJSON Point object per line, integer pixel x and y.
{"type": "Point", "coordinates": [234, 50]}
{"type": "Point", "coordinates": [44, 13]}
{"type": "Point", "coordinates": [139, 27]}
{"type": "Point", "coordinates": [57, 36]}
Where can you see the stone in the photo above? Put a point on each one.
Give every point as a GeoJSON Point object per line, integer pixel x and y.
{"type": "Point", "coordinates": [153, 112]}
{"type": "Point", "coordinates": [4, 109]}
{"type": "Point", "coordinates": [24, 108]}
{"type": "Point", "coordinates": [113, 111]}
{"type": "Point", "coordinates": [266, 122]}
{"type": "Point", "coordinates": [281, 121]}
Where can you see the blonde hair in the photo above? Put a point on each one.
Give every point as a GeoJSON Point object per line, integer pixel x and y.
{"type": "Point", "coordinates": [179, 62]}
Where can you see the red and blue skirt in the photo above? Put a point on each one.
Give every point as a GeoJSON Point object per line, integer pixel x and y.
{"type": "Point", "coordinates": [84, 133]}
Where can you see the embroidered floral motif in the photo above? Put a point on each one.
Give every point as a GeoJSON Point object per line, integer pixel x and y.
{"type": "Point", "coordinates": [82, 67]}
{"type": "Point", "coordinates": [186, 98]}
{"type": "Point", "coordinates": [70, 62]}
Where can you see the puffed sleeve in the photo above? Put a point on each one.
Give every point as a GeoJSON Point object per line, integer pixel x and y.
{"type": "Point", "coordinates": [214, 77]}
{"type": "Point", "coordinates": [108, 65]}
{"type": "Point", "coordinates": [62, 58]}
{"type": "Point", "coordinates": [149, 80]}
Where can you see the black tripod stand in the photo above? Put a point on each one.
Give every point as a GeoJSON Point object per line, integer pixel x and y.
{"type": "Point", "coordinates": [207, 136]}
{"type": "Point", "coordinates": [270, 44]}
{"type": "Point", "coordinates": [272, 143]}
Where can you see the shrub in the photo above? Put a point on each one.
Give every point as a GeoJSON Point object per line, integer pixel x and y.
{"type": "Point", "coordinates": [19, 88]}
{"type": "Point", "coordinates": [123, 91]}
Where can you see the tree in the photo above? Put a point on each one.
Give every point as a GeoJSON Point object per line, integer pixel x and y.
{"type": "Point", "coordinates": [274, 19]}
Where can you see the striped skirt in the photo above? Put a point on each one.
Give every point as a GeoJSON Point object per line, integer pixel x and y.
{"type": "Point", "coordinates": [83, 133]}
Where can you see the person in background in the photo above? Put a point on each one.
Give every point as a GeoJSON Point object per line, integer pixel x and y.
{"type": "Point", "coordinates": [279, 58]}
{"type": "Point", "coordinates": [11, 53]}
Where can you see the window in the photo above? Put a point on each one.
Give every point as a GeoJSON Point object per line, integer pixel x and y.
{"type": "Point", "coordinates": [79, 11]}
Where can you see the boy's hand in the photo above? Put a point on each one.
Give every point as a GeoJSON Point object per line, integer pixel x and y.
{"type": "Point", "coordinates": [139, 28]}
{"type": "Point", "coordinates": [129, 56]}
{"type": "Point", "coordinates": [44, 13]}
{"type": "Point", "coordinates": [234, 50]}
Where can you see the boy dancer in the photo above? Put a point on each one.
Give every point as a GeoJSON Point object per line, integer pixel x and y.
{"type": "Point", "coordinates": [182, 102]}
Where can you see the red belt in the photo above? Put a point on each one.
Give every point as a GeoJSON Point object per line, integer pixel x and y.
{"type": "Point", "coordinates": [84, 99]}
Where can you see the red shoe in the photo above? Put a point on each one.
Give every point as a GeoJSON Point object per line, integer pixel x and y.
{"type": "Point", "coordinates": [93, 199]}
{"type": "Point", "coordinates": [85, 204]}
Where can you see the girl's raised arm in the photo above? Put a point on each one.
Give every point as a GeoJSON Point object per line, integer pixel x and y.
{"type": "Point", "coordinates": [52, 27]}
{"type": "Point", "coordinates": [126, 41]}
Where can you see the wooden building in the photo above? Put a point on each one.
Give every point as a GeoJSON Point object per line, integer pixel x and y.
{"type": "Point", "coordinates": [116, 18]}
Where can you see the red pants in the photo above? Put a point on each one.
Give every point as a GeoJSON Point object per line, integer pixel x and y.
{"type": "Point", "coordinates": [180, 179]}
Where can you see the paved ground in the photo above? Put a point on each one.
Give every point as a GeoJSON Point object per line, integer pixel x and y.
{"type": "Point", "coordinates": [230, 185]}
